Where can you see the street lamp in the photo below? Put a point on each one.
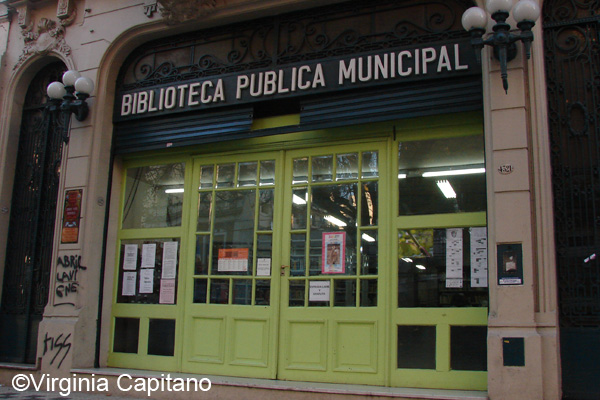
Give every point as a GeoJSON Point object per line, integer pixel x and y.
{"type": "Point", "coordinates": [475, 21]}
{"type": "Point", "coordinates": [70, 97]}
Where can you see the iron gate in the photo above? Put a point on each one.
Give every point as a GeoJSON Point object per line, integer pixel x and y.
{"type": "Point", "coordinates": [31, 228]}
{"type": "Point", "coordinates": [572, 55]}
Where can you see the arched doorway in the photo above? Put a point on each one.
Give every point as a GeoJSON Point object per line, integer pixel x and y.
{"type": "Point", "coordinates": [572, 56]}
{"type": "Point", "coordinates": [31, 228]}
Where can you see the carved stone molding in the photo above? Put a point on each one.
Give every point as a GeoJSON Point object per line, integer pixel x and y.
{"type": "Point", "coordinates": [178, 11]}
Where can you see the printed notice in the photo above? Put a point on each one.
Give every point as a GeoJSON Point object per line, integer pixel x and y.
{"type": "Point", "coordinates": [318, 291]}
{"type": "Point", "coordinates": [169, 261]}
{"type": "Point", "coordinates": [263, 267]}
{"type": "Point", "coordinates": [147, 280]}
{"type": "Point", "coordinates": [233, 260]}
{"type": "Point", "coordinates": [334, 249]}
{"type": "Point", "coordinates": [130, 257]}
{"type": "Point", "coordinates": [454, 258]}
{"type": "Point", "coordinates": [148, 255]}
{"type": "Point", "coordinates": [167, 291]}
{"type": "Point", "coordinates": [479, 257]}
{"type": "Point", "coordinates": [129, 279]}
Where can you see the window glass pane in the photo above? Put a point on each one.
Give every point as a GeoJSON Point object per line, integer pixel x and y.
{"type": "Point", "coordinates": [300, 173]}
{"type": "Point", "coordinates": [127, 331]}
{"type": "Point", "coordinates": [298, 254]}
{"type": "Point", "coordinates": [202, 251]}
{"type": "Point", "coordinates": [233, 228]}
{"type": "Point", "coordinates": [242, 291]}
{"type": "Point", "coordinates": [267, 172]}
{"type": "Point", "coordinates": [200, 286]}
{"type": "Point", "coordinates": [225, 175]}
{"type": "Point", "coordinates": [315, 252]}
{"type": "Point", "coordinates": [322, 168]}
{"type": "Point", "coordinates": [368, 249]}
{"type": "Point", "coordinates": [333, 207]}
{"type": "Point", "coordinates": [345, 293]}
{"type": "Point", "coordinates": [204, 210]}
{"type": "Point", "coordinates": [468, 348]}
{"type": "Point", "coordinates": [153, 196]}
{"type": "Point", "coordinates": [219, 291]}
{"type": "Point", "coordinates": [299, 198]}
{"type": "Point", "coordinates": [370, 164]}
{"type": "Point", "coordinates": [206, 176]}
{"type": "Point", "coordinates": [426, 270]}
{"type": "Point", "coordinates": [441, 176]}
{"type": "Point", "coordinates": [161, 337]}
{"type": "Point", "coordinates": [264, 246]}
{"type": "Point", "coordinates": [247, 174]}
{"type": "Point", "coordinates": [416, 346]}
{"type": "Point", "coordinates": [369, 204]}
{"type": "Point", "coordinates": [265, 210]}
{"type": "Point", "coordinates": [262, 297]}
{"type": "Point", "coordinates": [297, 293]}
{"type": "Point", "coordinates": [368, 292]}
{"type": "Point", "coordinates": [347, 166]}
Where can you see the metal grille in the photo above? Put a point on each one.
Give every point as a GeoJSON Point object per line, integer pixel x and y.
{"type": "Point", "coordinates": [572, 51]}
{"type": "Point", "coordinates": [33, 208]}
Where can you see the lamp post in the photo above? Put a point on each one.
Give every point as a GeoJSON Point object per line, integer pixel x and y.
{"type": "Point", "coordinates": [475, 21]}
{"type": "Point", "coordinates": [69, 97]}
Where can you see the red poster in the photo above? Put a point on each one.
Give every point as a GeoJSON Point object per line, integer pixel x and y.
{"type": "Point", "coordinates": [334, 253]}
{"type": "Point", "coordinates": [71, 215]}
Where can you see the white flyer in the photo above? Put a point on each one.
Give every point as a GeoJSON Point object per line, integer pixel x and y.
{"type": "Point", "coordinates": [148, 255]}
{"type": "Point", "coordinates": [130, 257]}
{"type": "Point", "coordinates": [169, 261]}
{"type": "Point", "coordinates": [129, 279]}
{"type": "Point", "coordinates": [167, 291]}
{"type": "Point", "coordinates": [454, 253]}
{"type": "Point", "coordinates": [479, 257]}
{"type": "Point", "coordinates": [319, 290]}
{"type": "Point", "coordinates": [263, 267]}
{"type": "Point", "coordinates": [146, 280]}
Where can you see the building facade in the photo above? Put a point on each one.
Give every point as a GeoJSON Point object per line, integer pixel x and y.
{"type": "Point", "coordinates": [333, 192]}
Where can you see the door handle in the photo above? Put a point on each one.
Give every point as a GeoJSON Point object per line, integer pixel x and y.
{"type": "Point", "coordinates": [283, 267]}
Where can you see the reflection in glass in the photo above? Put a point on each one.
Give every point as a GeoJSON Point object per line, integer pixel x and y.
{"type": "Point", "coordinates": [206, 176]}
{"type": "Point", "coordinates": [247, 174]}
{"type": "Point", "coordinates": [202, 252]}
{"type": "Point", "coordinates": [368, 250]}
{"type": "Point", "coordinates": [345, 293]}
{"type": "Point", "coordinates": [267, 172]}
{"type": "Point", "coordinates": [204, 211]}
{"type": "Point", "coordinates": [422, 272]}
{"type": "Point", "coordinates": [296, 294]}
{"type": "Point", "coordinates": [299, 199]}
{"type": "Point", "coordinates": [233, 226]}
{"type": "Point", "coordinates": [262, 296]}
{"type": "Point", "coordinates": [153, 196]}
{"type": "Point", "coordinates": [368, 292]}
{"type": "Point", "coordinates": [333, 207]}
{"type": "Point", "coordinates": [219, 291]}
{"type": "Point", "coordinates": [370, 164]}
{"type": "Point", "coordinates": [300, 170]}
{"type": "Point", "coordinates": [264, 246]}
{"type": "Point", "coordinates": [200, 286]}
{"type": "Point", "coordinates": [347, 166]}
{"type": "Point", "coordinates": [298, 254]}
{"type": "Point", "coordinates": [242, 291]}
{"type": "Point", "coordinates": [369, 214]}
{"type": "Point", "coordinates": [225, 175]}
{"type": "Point", "coordinates": [265, 209]}
{"type": "Point", "coordinates": [322, 168]}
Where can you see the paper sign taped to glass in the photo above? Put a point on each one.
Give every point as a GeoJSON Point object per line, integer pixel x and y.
{"type": "Point", "coordinates": [233, 260]}
{"type": "Point", "coordinates": [334, 253]}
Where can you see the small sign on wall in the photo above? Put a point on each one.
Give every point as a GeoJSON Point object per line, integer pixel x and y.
{"type": "Point", "coordinates": [510, 264]}
{"type": "Point", "coordinates": [71, 216]}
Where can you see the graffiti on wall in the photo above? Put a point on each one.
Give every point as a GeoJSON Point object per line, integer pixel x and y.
{"type": "Point", "coordinates": [58, 346]}
{"type": "Point", "coordinates": [67, 282]}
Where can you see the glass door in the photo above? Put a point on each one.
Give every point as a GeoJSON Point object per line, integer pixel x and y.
{"type": "Point", "coordinates": [332, 325]}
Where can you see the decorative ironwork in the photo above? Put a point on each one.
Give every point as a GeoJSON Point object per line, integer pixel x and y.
{"type": "Point", "coordinates": [346, 28]}
{"type": "Point", "coordinates": [33, 206]}
{"type": "Point", "coordinates": [572, 52]}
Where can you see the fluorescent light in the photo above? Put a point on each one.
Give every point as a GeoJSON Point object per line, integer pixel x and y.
{"type": "Point", "coordinates": [447, 189]}
{"type": "Point", "coordinates": [298, 200]}
{"type": "Point", "coordinates": [420, 266]}
{"type": "Point", "coordinates": [177, 190]}
{"type": "Point", "coordinates": [406, 259]}
{"type": "Point", "coordinates": [335, 221]}
{"type": "Point", "coordinates": [368, 238]}
{"type": "Point", "coordinates": [401, 176]}
{"type": "Point", "coordinates": [454, 172]}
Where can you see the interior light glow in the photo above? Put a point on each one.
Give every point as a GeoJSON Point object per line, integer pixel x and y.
{"type": "Point", "coordinates": [368, 238]}
{"type": "Point", "coordinates": [176, 190]}
{"type": "Point", "coordinates": [334, 220]}
{"type": "Point", "coordinates": [420, 266]}
{"type": "Point", "coordinates": [453, 172]}
{"type": "Point", "coordinates": [447, 189]}
{"type": "Point", "coordinates": [401, 176]}
{"type": "Point", "coordinates": [298, 200]}
{"type": "Point", "coordinates": [406, 259]}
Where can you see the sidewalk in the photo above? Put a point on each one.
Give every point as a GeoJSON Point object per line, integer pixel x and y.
{"type": "Point", "coordinates": [7, 392]}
